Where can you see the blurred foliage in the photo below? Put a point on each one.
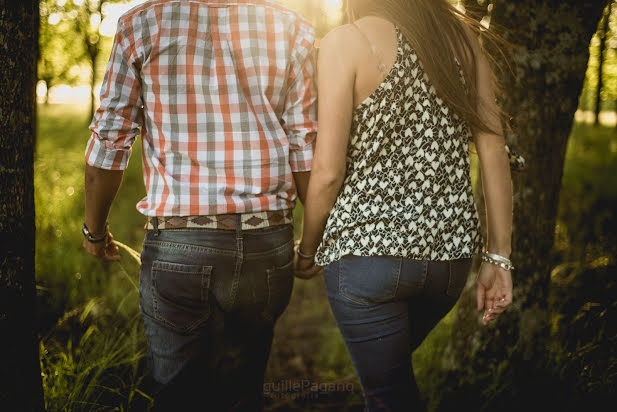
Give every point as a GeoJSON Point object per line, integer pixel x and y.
{"type": "Point", "coordinates": [67, 45]}
{"type": "Point", "coordinates": [584, 280]}
{"type": "Point", "coordinates": [587, 223]}
{"type": "Point", "coordinates": [59, 59]}
{"type": "Point", "coordinates": [609, 68]}
{"type": "Point", "coordinates": [73, 48]}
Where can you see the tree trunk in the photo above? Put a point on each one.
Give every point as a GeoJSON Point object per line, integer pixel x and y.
{"type": "Point", "coordinates": [542, 96]}
{"type": "Point", "coordinates": [602, 33]}
{"type": "Point", "coordinates": [48, 83]}
{"type": "Point", "coordinates": [93, 46]}
{"type": "Point", "coordinates": [20, 373]}
{"type": "Point", "coordinates": [93, 54]}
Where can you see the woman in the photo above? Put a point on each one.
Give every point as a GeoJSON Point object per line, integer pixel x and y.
{"type": "Point", "coordinates": [390, 214]}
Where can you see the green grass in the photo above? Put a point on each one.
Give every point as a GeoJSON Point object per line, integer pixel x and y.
{"type": "Point", "coordinates": [587, 222]}
{"type": "Point", "coordinates": [92, 342]}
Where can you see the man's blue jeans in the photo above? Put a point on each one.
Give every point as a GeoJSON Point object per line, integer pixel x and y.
{"type": "Point", "coordinates": [384, 307]}
{"type": "Point", "coordinates": [209, 302]}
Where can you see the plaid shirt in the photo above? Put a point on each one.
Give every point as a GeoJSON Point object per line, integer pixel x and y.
{"type": "Point", "coordinates": [224, 93]}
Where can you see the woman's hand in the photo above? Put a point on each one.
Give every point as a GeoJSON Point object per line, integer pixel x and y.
{"type": "Point", "coordinates": [494, 291]}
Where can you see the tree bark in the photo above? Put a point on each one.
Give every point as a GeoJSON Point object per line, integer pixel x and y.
{"type": "Point", "coordinates": [602, 32]}
{"type": "Point", "coordinates": [92, 42]}
{"type": "Point", "coordinates": [20, 374]}
{"type": "Point", "coordinates": [542, 96]}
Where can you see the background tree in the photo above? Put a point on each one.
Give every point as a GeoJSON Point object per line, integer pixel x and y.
{"type": "Point", "coordinates": [551, 55]}
{"type": "Point", "coordinates": [603, 35]}
{"type": "Point", "coordinates": [78, 31]}
{"type": "Point", "coordinates": [88, 25]}
{"type": "Point", "coordinates": [59, 59]}
{"type": "Point", "coordinates": [20, 374]}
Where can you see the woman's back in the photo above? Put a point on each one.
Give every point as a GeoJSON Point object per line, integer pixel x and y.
{"type": "Point", "coordinates": [407, 190]}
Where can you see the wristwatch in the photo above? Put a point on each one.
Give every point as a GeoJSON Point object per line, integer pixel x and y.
{"type": "Point", "coordinates": [92, 239]}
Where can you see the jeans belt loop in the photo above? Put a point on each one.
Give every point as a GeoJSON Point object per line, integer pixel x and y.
{"type": "Point", "coordinates": [238, 226]}
{"type": "Point", "coordinates": [155, 224]}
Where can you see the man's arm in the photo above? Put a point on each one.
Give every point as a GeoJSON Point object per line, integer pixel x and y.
{"type": "Point", "coordinates": [114, 128]}
{"type": "Point", "coordinates": [101, 187]}
{"type": "Point", "coordinates": [300, 116]}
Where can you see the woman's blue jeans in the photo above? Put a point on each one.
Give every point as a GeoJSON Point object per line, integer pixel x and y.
{"type": "Point", "coordinates": [209, 301]}
{"type": "Point", "coordinates": [384, 307]}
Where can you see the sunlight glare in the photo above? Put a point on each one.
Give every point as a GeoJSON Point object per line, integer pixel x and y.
{"type": "Point", "coordinates": [112, 12]}
{"type": "Point", "coordinates": [95, 20]}
{"type": "Point", "coordinates": [41, 90]}
{"type": "Point", "coordinates": [54, 18]}
{"type": "Point", "coordinates": [64, 94]}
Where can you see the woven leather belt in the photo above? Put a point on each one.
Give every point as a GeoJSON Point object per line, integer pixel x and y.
{"type": "Point", "coordinates": [250, 221]}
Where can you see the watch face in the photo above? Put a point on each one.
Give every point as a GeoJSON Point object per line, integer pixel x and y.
{"type": "Point", "coordinates": [89, 236]}
{"type": "Point", "coordinates": [86, 233]}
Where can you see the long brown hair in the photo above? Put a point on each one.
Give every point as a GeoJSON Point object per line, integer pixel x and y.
{"type": "Point", "coordinates": [436, 31]}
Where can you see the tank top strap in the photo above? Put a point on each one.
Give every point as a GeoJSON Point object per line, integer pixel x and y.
{"type": "Point", "coordinates": [381, 65]}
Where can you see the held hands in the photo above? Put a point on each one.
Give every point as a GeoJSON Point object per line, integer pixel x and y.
{"type": "Point", "coordinates": [304, 267]}
{"type": "Point", "coordinates": [494, 291]}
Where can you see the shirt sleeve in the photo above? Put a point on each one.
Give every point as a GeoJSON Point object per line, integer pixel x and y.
{"type": "Point", "coordinates": [300, 115]}
{"type": "Point", "coordinates": [117, 120]}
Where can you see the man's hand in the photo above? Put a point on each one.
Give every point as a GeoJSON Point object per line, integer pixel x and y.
{"type": "Point", "coordinates": [305, 268]}
{"type": "Point", "coordinates": [106, 250]}
{"type": "Point", "coordinates": [304, 271]}
{"type": "Point", "coordinates": [494, 291]}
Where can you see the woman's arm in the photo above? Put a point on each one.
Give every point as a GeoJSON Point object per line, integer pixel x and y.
{"type": "Point", "coordinates": [336, 78]}
{"type": "Point", "coordinates": [494, 289]}
{"type": "Point", "coordinates": [495, 169]}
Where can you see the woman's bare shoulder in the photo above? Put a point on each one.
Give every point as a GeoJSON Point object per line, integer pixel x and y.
{"type": "Point", "coordinates": [342, 38]}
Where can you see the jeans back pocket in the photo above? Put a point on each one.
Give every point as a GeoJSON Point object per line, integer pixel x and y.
{"type": "Point", "coordinates": [366, 280]}
{"type": "Point", "coordinates": [180, 294]}
{"type": "Point", "coordinates": [280, 286]}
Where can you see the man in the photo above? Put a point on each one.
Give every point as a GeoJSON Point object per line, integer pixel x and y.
{"type": "Point", "coordinates": [224, 94]}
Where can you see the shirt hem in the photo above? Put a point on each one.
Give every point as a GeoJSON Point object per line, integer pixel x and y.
{"type": "Point", "coordinates": [321, 261]}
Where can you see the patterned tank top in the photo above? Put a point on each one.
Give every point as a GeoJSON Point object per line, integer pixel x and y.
{"type": "Point", "coordinates": [407, 190]}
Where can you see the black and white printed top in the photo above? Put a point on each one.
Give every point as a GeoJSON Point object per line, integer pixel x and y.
{"type": "Point", "coordinates": [407, 190]}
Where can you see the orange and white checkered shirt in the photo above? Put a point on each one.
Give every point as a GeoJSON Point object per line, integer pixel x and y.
{"type": "Point", "coordinates": [224, 93]}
